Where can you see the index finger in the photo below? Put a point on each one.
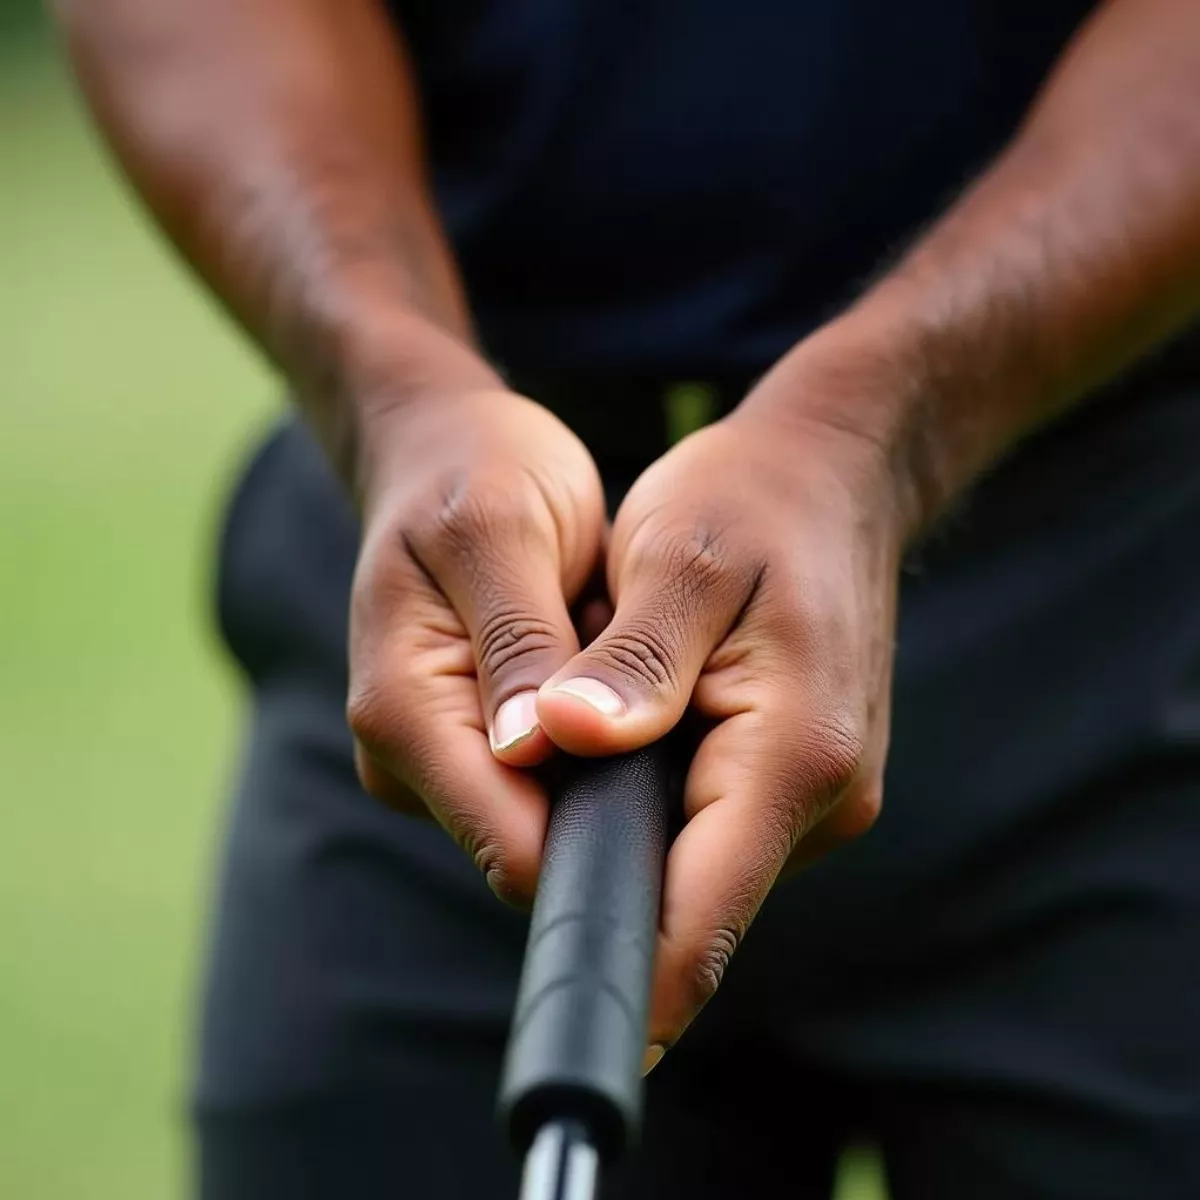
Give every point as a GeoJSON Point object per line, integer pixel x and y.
{"type": "Point", "coordinates": [757, 783]}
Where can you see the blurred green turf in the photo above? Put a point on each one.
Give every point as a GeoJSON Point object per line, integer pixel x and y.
{"type": "Point", "coordinates": [124, 400]}
{"type": "Point", "coordinates": [126, 403]}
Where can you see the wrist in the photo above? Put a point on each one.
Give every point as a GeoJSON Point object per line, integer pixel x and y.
{"type": "Point", "coordinates": [374, 359]}
{"type": "Point", "coordinates": [860, 387]}
{"type": "Point", "coordinates": [887, 375]}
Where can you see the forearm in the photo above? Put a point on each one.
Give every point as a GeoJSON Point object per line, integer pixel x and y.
{"type": "Point", "coordinates": [1076, 253]}
{"type": "Point", "coordinates": [276, 143]}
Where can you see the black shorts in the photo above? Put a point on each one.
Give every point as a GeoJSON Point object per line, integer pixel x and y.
{"type": "Point", "coordinates": [999, 984]}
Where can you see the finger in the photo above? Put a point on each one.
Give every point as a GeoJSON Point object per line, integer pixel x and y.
{"type": "Point", "coordinates": [857, 810]}
{"type": "Point", "coordinates": [379, 782]}
{"type": "Point", "coordinates": [849, 819]}
{"type": "Point", "coordinates": [676, 599]}
{"type": "Point", "coordinates": [413, 707]}
{"type": "Point", "coordinates": [758, 782]}
{"type": "Point", "coordinates": [494, 552]}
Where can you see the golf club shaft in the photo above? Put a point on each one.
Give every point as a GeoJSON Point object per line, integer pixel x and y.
{"type": "Point", "coordinates": [561, 1165]}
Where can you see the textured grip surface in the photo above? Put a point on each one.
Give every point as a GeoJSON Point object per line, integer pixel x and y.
{"type": "Point", "coordinates": [579, 1029]}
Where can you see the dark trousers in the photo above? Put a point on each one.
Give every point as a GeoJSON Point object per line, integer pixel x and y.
{"type": "Point", "coordinates": [1000, 983]}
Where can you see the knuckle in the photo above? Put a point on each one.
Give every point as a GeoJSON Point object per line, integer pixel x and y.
{"type": "Point", "coordinates": [488, 859]}
{"type": "Point", "coordinates": [697, 560]}
{"type": "Point", "coordinates": [370, 777]}
{"type": "Point", "coordinates": [859, 811]}
{"type": "Point", "coordinates": [710, 965]}
{"type": "Point", "coordinates": [466, 833]}
{"type": "Point", "coordinates": [382, 726]}
{"type": "Point", "coordinates": [832, 758]}
{"type": "Point", "coordinates": [470, 516]}
{"type": "Point", "coordinates": [510, 638]}
{"type": "Point", "coordinates": [503, 883]}
{"type": "Point", "coordinates": [699, 557]}
{"type": "Point", "coordinates": [369, 714]}
{"type": "Point", "coordinates": [813, 771]}
{"type": "Point", "coordinates": [461, 511]}
{"type": "Point", "coordinates": [491, 860]}
{"type": "Point", "coordinates": [641, 653]}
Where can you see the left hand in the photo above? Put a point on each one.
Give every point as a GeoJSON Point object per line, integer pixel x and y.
{"type": "Point", "coordinates": [754, 571]}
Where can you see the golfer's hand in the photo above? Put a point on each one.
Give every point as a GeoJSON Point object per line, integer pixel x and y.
{"type": "Point", "coordinates": [483, 520]}
{"type": "Point", "coordinates": [753, 570]}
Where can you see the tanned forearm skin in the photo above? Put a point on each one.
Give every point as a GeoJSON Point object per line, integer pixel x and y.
{"type": "Point", "coordinates": [277, 144]}
{"type": "Point", "coordinates": [1074, 255]}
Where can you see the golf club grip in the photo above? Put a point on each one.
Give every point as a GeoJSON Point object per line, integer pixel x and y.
{"type": "Point", "coordinates": [578, 1036]}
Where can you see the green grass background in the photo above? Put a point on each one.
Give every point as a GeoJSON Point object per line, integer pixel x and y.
{"type": "Point", "coordinates": [126, 403]}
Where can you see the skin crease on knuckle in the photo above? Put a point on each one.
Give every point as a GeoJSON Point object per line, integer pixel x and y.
{"type": "Point", "coordinates": [475, 522]}
{"type": "Point", "coordinates": [831, 761]}
{"type": "Point", "coordinates": [702, 561]}
{"type": "Point", "coordinates": [381, 733]}
{"type": "Point", "coordinates": [508, 635]}
{"type": "Point", "coordinates": [691, 973]}
{"type": "Point", "coordinates": [688, 574]}
{"type": "Point", "coordinates": [511, 880]}
{"type": "Point", "coordinates": [371, 713]}
{"type": "Point", "coordinates": [700, 963]}
{"type": "Point", "coordinates": [642, 651]}
{"type": "Point", "coordinates": [710, 966]}
{"type": "Point", "coordinates": [816, 773]}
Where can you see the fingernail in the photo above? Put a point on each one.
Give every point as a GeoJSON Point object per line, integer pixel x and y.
{"type": "Point", "coordinates": [591, 691]}
{"type": "Point", "coordinates": [515, 720]}
{"type": "Point", "coordinates": [653, 1055]}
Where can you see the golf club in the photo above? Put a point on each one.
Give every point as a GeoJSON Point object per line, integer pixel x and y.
{"type": "Point", "coordinates": [571, 1093]}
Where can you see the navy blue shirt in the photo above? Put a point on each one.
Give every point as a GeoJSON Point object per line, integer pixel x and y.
{"type": "Point", "coordinates": [690, 185]}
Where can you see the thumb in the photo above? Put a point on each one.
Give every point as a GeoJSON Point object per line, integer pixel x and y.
{"type": "Point", "coordinates": [676, 601]}
{"type": "Point", "coordinates": [496, 557]}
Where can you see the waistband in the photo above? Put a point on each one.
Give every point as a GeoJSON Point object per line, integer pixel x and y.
{"type": "Point", "coordinates": [628, 420]}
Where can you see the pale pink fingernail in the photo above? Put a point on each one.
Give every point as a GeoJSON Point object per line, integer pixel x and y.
{"type": "Point", "coordinates": [591, 691]}
{"type": "Point", "coordinates": [515, 720]}
{"type": "Point", "coordinates": [652, 1058]}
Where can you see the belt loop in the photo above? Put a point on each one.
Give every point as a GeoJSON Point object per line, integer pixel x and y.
{"type": "Point", "coordinates": [688, 406]}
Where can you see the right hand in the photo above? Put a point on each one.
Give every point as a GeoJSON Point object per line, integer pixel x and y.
{"type": "Point", "coordinates": [483, 519]}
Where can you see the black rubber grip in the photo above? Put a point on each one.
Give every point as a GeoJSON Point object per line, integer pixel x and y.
{"type": "Point", "coordinates": [578, 1036]}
